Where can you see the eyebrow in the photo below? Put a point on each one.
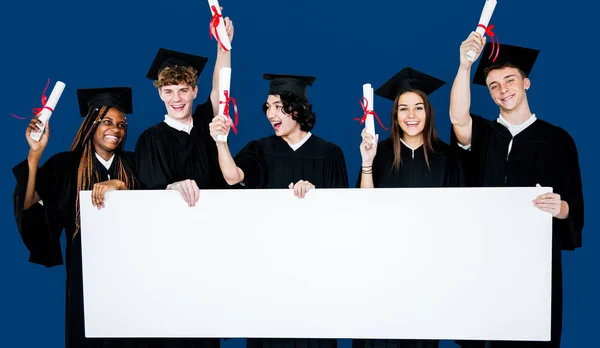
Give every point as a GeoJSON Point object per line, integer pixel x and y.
{"type": "Point", "coordinates": [415, 104]}
{"type": "Point", "coordinates": [504, 78]}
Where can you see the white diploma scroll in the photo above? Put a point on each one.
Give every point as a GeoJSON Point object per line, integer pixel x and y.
{"type": "Point", "coordinates": [224, 84]}
{"type": "Point", "coordinates": [486, 15]}
{"type": "Point", "coordinates": [48, 108]}
{"type": "Point", "coordinates": [369, 121]}
{"type": "Point", "coordinates": [221, 31]}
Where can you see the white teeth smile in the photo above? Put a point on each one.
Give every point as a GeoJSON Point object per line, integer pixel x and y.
{"type": "Point", "coordinates": [111, 137]}
{"type": "Point", "coordinates": [412, 123]}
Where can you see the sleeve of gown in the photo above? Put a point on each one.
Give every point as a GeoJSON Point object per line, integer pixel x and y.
{"type": "Point", "coordinates": [129, 161]}
{"type": "Point", "coordinates": [249, 160]}
{"type": "Point", "coordinates": [569, 187]}
{"type": "Point", "coordinates": [469, 162]}
{"type": "Point", "coordinates": [336, 173]}
{"type": "Point", "coordinates": [151, 162]}
{"type": "Point", "coordinates": [203, 115]}
{"type": "Point", "coordinates": [39, 231]}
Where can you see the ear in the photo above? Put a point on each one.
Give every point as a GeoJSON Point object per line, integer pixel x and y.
{"type": "Point", "coordinates": [195, 91]}
{"type": "Point", "coordinates": [527, 83]}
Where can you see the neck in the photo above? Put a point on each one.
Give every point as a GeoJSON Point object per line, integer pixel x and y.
{"type": "Point", "coordinates": [413, 141]}
{"type": "Point", "coordinates": [295, 136]}
{"type": "Point", "coordinates": [106, 155]}
{"type": "Point", "coordinates": [186, 120]}
{"type": "Point", "coordinates": [517, 115]}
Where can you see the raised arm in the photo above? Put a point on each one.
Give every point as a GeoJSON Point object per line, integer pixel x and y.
{"type": "Point", "coordinates": [223, 61]}
{"type": "Point", "coordinates": [231, 172]}
{"type": "Point", "coordinates": [36, 149]}
{"type": "Point", "coordinates": [460, 95]}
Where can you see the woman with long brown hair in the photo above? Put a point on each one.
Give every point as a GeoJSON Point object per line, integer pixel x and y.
{"type": "Point", "coordinates": [46, 200]}
{"type": "Point", "coordinates": [413, 155]}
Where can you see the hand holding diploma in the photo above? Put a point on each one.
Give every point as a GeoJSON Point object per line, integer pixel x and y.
{"type": "Point", "coordinates": [224, 99]}
{"type": "Point", "coordinates": [473, 43]}
{"type": "Point", "coordinates": [43, 114]}
{"type": "Point", "coordinates": [484, 20]}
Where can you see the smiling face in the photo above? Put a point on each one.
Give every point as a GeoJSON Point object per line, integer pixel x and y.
{"type": "Point", "coordinates": [178, 100]}
{"type": "Point", "coordinates": [283, 124]}
{"type": "Point", "coordinates": [412, 116]}
{"type": "Point", "coordinates": [110, 131]}
{"type": "Point", "coordinates": [507, 87]}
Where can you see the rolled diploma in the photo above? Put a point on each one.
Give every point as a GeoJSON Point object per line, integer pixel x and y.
{"type": "Point", "coordinates": [46, 112]}
{"type": "Point", "coordinates": [486, 15]}
{"type": "Point", "coordinates": [221, 27]}
{"type": "Point", "coordinates": [224, 84]}
{"type": "Point", "coordinates": [369, 122]}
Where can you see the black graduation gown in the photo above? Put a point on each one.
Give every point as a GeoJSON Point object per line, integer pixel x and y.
{"type": "Point", "coordinates": [164, 155]}
{"type": "Point", "coordinates": [541, 154]}
{"type": "Point", "coordinates": [443, 169]}
{"type": "Point", "coordinates": [271, 163]}
{"type": "Point", "coordinates": [41, 226]}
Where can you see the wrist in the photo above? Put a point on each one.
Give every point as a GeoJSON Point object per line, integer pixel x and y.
{"type": "Point", "coordinates": [564, 210]}
{"type": "Point", "coordinates": [33, 158]}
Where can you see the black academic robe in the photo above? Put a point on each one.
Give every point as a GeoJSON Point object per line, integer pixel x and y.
{"type": "Point", "coordinates": [271, 163]}
{"type": "Point", "coordinates": [41, 227]}
{"type": "Point", "coordinates": [443, 169]}
{"type": "Point", "coordinates": [540, 154]}
{"type": "Point", "coordinates": [164, 155]}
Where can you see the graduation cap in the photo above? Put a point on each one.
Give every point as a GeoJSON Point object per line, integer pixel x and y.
{"type": "Point", "coordinates": [409, 79]}
{"type": "Point", "coordinates": [168, 58]}
{"type": "Point", "coordinates": [114, 97]}
{"type": "Point", "coordinates": [294, 84]}
{"type": "Point", "coordinates": [521, 57]}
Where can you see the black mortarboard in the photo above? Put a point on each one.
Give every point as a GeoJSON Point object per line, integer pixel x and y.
{"type": "Point", "coordinates": [168, 58]}
{"type": "Point", "coordinates": [521, 57]}
{"type": "Point", "coordinates": [293, 84]}
{"type": "Point", "coordinates": [408, 79]}
{"type": "Point", "coordinates": [114, 97]}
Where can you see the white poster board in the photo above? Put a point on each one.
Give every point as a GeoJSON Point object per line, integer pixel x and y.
{"type": "Point", "coordinates": [465, 263]}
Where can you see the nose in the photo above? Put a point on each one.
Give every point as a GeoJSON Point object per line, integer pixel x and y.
{"type": "Point", "coordinates": [176, 97]}
{"type": "Point", "coordinates": [271, 113]}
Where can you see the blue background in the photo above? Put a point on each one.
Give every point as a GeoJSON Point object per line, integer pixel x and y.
{"type": "Point", "coordinates": [344, 44]}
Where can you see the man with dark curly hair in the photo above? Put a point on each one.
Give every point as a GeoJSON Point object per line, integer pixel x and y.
{"type": "Point", "coordinates": [291, 158]}
{"type": "Point", "coordinates": [178, 153]}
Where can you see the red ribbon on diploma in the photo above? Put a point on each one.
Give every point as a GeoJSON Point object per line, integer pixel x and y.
{"type": "Point", "coordinates": [213, 25]}
{"type": "Point", "coordinates": [364, 103]}
{"type": "Point", "coordinates": [490, 33]}
{"type": "Point", "coordinates": [38, 110]}
{"type": "Point", "coordinates": [226, 111]}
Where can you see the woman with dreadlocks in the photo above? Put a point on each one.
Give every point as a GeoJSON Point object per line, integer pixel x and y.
{"type": "Point", "coordinates": [46, 200]}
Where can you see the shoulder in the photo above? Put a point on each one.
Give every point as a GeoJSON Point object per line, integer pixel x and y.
{"type": "Point", "coordinates": [440, 147]}
{"type": "Point", "coordinates": [326, 147]}
{"type": "Point", "coordinates": [154, 133]}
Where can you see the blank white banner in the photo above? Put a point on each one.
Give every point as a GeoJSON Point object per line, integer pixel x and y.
{"type": "Point", "coordinates": [467, 263]}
